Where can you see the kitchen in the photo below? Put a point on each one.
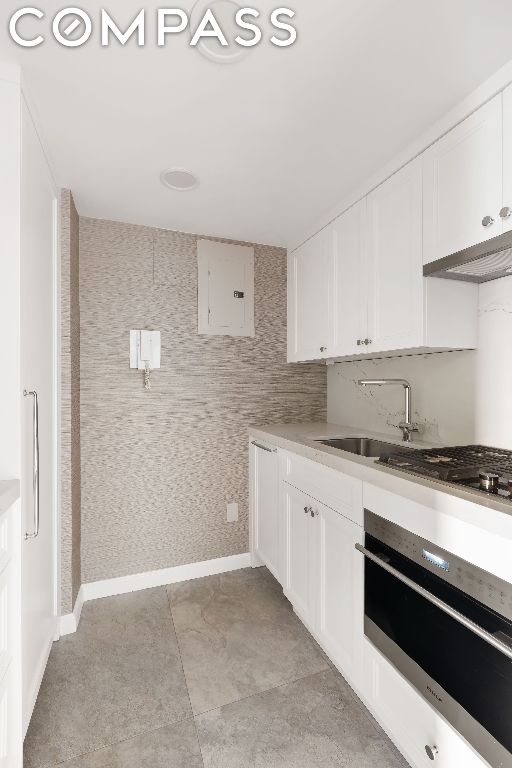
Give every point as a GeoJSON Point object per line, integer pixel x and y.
{"type": "Point", "coordinates": [263, 506]}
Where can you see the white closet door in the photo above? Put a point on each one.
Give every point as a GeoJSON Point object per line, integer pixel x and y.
{"type": "Point", "coordinates": [38, 262]}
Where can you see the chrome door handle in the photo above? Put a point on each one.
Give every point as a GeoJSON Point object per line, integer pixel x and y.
{"type": "Point", "coordinates": [506, 212]}
{"type": "Point", "coordinates": [487, 221]}
{"type": "Point", "coordinates": [459, 617]}
{"type": "Point", "coordinates": [263, 447]}
{"type": "Point", "coordinates": [35, 464]}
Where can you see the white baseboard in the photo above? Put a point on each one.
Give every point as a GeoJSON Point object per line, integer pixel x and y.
{"type": "Point", "coordinates": [95, 590]}
{"type": "Point", "coordinates": [70, 621]}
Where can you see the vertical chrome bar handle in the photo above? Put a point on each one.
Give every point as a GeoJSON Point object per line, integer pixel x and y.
{"type": "Point", "coordinates": [35, 475]}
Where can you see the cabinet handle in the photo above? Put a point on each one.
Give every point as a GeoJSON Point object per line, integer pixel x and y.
{"type": "Point", "coordinates": [506, 212]}
{"type": "Point", "coordinates": [314, 512]}
{"type": "Point", "coordinates": [306, 510]}
{"type": "Point", "coordinates": [263, 447]}
{"type": "Point", "coordinates": [367, 341]}
{"type": "Point", "coordinates": [359, 342]}
{"type": "Point", "coordinates": [432, 752]}
{"type": "Point", "coordinates": [487, 221]}
{"type": "Point", "coordinates": [323, 349]}
{"type": "Point", "coordinates": [35, 465]}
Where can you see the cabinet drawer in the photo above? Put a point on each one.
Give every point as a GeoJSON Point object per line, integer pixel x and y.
{"type": "Point", "coordinates": [409, 720]}
{"type": "Point", "coordinates": [340, 492]}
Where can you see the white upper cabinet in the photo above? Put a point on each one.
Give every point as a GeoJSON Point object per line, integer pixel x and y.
{"type": "Point", "coordinates": [506, 211]}
{"type": "Point", "coordinates": [308, 280]}
{"type": "Point", "coordinates": [347, 270]}
{"type": "Point", "coordinates": [395, 263]}
{"type": "Point", "coordinates": [463, 184]}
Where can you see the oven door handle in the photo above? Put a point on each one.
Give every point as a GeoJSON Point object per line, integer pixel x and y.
{"type": "Point", "coordinates": [475, 628]}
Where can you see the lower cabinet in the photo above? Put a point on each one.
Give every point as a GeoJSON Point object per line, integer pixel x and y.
{"type": "Point", "coordinates": [265, 534]}
{"type": "Point", "coordinates": [323, 575]}
{"type": "Point", "coordinates": [421, 733]}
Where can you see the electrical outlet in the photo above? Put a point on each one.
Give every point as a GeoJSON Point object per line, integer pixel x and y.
{"type": "Point", "coordinates": [232, 513]}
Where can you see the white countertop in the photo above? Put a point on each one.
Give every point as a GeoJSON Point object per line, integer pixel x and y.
{"type": "Point", "coordinates": [488, 512]}
{"type": "Point", "coordinates": [9, 493]}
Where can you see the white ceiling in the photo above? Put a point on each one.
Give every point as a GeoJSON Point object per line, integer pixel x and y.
{"type": "Point", "coordinates": [276, 138]}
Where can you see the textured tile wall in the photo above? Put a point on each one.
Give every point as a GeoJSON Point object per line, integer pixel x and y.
{"type": "Point", "coordinates": [70, 404]}
{"type": "Point", "coordinates": [159, 468]}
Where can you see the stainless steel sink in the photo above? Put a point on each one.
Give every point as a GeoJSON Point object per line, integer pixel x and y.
{"type": "Point", "coordinates": [363, 446]}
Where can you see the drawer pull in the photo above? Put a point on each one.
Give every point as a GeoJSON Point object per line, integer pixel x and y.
{"type": "Point", "coordinates": [432, 752]}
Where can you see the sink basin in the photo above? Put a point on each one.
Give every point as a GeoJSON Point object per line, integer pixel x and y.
{"type": "Point", "coordinates": [363, 446]}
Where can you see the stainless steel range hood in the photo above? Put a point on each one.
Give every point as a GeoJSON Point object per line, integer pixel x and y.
{"type": "Point", "coordinates": [478, 264]}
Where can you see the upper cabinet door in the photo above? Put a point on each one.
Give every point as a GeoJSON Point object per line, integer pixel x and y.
{"type": "Point", "coordinates": [308, 300]}
{"type": "Point", "coordinates": [463, 184]}
{"type": "Point", "coordinates": [348, 282]}
{"type": "Point", "coordinates": [395, 264]}
{"type": "Point", "coordinates": [506, 210]}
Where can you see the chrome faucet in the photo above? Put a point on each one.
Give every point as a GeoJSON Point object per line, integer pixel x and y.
{"type": "Point", "coordinates": [407, 426]}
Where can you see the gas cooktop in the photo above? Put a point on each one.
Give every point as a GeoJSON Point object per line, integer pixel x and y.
{"type": "Point", "coordinates": [475, 466]}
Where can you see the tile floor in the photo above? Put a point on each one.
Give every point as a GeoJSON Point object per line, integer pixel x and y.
{"type": "Point", "coordinates": [212, 673]}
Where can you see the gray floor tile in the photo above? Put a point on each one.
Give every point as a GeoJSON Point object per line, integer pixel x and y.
{"type": "Point", "coordinates": [311, 723]}
{"type": "Point", "coordinates": [174, 746]}
{"type": "Point", "coordinates": [238, 636]}
{"type": "Point", "coordinates": [118, 676]}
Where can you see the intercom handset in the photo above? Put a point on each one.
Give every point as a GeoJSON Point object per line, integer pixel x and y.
{"type": "Point", "coordinates": [145, 353]}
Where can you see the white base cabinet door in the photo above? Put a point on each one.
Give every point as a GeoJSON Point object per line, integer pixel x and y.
{"type": "Point", "coordinates": [301, 579]}
{"type": "Point", "coordinates": [340, 618]}
{"type": "Point", "coordinates": [324, 576]}
{"type": "Point", "coordinates": [266, 535]}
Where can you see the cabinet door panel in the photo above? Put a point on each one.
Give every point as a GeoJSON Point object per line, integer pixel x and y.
{"type": "Point", "coordinates": [348, 281]}
{"type": "Point", "coordinates": [309, 309]}
{"type": "Point", "coordinates": [266, 509]}
{"type": "Point", "coordinates": [341, 590]}
{"type": "Point", "coordinates": [507, 156]}
{"type": "Point", "coordinates": [299, 554]}
{"type": "Point", "coordinates": [463, 175]}
{"type": "Point", "coordinates": [395, 268]}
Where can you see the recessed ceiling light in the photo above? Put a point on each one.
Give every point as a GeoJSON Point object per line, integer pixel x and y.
{"type": "Point", "coordinates": [225, 12]}
{"type": "Point", "coordinates": [179, 179]}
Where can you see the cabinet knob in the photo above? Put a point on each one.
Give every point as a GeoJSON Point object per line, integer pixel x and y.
{"type": "Point", "coordinates": [308, 509]}
{"type": "Point", "coordinates": [359, 342]}
{"type": "Point", "coordinates": [432, 752]}
{"type": "Point", "coordinates": [487, 221]}
{"type": "Point", "coordinates": [314, 512]}
{"type": "Point", "coordinates": [506, 212]}
{"type": "Point", "coordinates": [323, 349]}
{"type": "Point", "coordinates": [367, 341]}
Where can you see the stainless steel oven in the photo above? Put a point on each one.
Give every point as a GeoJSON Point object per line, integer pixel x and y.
{"type": "Point", "coordinates": [446, 625]}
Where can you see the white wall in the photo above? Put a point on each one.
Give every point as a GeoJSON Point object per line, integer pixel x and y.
{"type": "Point", "coordinates": [494, 365]}
{"type": "Point", "coordinates": [458, 397]}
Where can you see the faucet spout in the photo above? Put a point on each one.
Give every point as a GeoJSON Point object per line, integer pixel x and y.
{"type": "Point", "coordinates": [407, 426]}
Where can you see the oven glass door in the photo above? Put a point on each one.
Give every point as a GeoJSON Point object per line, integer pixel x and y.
{"type": "Point", "coordinates": [475, 674]}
